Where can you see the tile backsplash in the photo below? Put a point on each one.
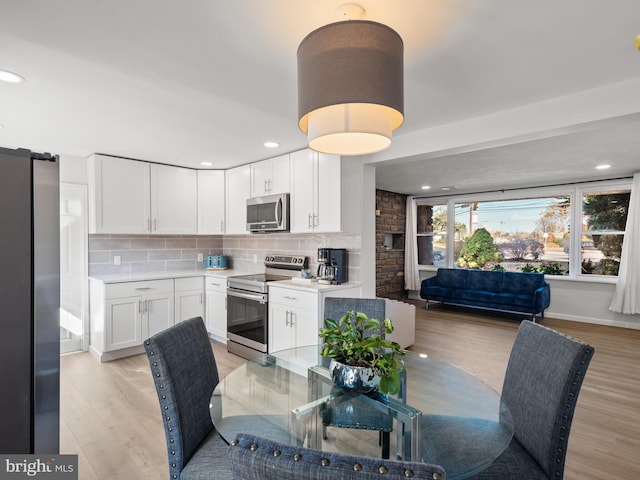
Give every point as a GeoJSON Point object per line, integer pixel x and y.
{"type": "Point", "coordinates": [145, 253]}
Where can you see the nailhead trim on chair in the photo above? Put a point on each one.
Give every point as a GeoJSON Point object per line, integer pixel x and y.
{"type": "Point", "coordinates": [325, 462]}
{"type": "Point", "coordinates": [165, 407]}
{"type": "Point", "coordinates": [568, 415]}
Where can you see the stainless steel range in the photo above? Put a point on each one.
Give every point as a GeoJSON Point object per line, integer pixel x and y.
{"type": "Point", "coordinates": [248, 306]}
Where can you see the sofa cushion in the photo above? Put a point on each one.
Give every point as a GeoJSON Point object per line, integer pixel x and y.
{"type": "Point", "coordinates": [479, 296]}
{"type": "Point", "coordinates": [487, 281]}
{"type": "Point", "coordinates": [513, 299]}
{"type": "Point", "coordinates": [521, 283]}
{"type": "Point", "coordinates": [451, 277]}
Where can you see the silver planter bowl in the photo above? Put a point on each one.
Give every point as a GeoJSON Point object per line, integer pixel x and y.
{"type": "Point", "coordinates": [359, 379]}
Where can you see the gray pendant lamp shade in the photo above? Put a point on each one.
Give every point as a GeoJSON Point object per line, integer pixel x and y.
{"type": "Point", "coordinates": [350, 87]}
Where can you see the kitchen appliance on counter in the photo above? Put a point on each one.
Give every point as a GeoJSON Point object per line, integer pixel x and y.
{"type": "Point", "coordinates": [332, 266]}
{"type": "Point", "coordinates": [248, 306]}
{"type": "Point", "coordinates": [269, 213]}
{"type": "Point", "coordinates": [217, 262]}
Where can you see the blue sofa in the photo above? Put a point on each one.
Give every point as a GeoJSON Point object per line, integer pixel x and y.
{"type": "Point", "coordinates": [498, 290]}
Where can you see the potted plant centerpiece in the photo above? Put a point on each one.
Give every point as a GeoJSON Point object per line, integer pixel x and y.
{"type": "Point", "coordinates": [361, 357]}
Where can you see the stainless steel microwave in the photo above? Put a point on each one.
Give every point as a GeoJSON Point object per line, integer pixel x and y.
{"type": "Point", "coordinates": [268, 214]}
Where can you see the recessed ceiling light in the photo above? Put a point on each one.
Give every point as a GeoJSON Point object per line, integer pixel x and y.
{"type": "Point", "coordinates": [206, 164]}
{"type": "Point", "coordinates": [603, 167]}
{"type": "Point", "coordinates": [10, 77]}
{"type": "Point", "coordinates": [271, 144]}
{"type": "Point", "coordinates": [426, 187]}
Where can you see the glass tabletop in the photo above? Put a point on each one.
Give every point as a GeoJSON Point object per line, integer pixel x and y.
{"type": "Point", "coordinates": [443, 415]}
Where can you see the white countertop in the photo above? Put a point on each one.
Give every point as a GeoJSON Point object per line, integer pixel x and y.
{"type": "Point", "coordinates": [141, 276]}
{"type": "Point", "coordinates": [313, 286]}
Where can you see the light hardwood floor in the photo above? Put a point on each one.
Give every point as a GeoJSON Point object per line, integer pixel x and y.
{"type": "Point", "coordinates": [110, 414]}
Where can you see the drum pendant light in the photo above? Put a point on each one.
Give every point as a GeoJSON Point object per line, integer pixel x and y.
{"type": "Point", "coordinates": [350, 87]}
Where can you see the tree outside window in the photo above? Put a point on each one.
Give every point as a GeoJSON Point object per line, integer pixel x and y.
{"type": "Point", "coordinates": [604, 217]}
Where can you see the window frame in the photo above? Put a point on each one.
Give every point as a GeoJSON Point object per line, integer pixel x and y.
{"type": "Point", "coordinates": [575, 194]}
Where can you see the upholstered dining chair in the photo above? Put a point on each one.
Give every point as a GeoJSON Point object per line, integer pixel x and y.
{"type": "Point", "coordinates": [253, 458]}
{"type": "Point", "coordinates": [355, 413]}
{"type": "Point", "coordinates": [185, 373]}
{"type": "Point", "coordinates": [541, 386]}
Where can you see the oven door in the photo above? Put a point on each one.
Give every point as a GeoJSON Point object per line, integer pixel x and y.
{"type": "Point", "coordinates": [247, 320]}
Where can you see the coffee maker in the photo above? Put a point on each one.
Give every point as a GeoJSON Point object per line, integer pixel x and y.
{"type": "Point", "coordinates": [332, 266]}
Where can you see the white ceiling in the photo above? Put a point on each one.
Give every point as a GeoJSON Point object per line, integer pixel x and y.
{"type": "Point", "coordinates": [182, 82]}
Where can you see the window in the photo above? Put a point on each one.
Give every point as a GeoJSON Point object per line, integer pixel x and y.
{"type": "Point", "coordinates": [529, 234]}
{"type": "Point", "coordinates": [576, 231]}
{"type": "Point", "coordinates": [432, 234]}
{"type": "Point", "coordinates": [604, 217]}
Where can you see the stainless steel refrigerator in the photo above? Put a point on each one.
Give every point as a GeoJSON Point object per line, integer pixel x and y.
{"type": "Point", "coordinates": [29, 302]}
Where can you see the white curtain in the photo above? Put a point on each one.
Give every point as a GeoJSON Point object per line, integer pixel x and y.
{"type": "Point", "coordinates": [411, 273]}
{"type": "Point", "coordinates": [627, 296]}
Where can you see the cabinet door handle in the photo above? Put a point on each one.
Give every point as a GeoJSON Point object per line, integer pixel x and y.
{"type": "Point", "coordinates": [139, 306]}
{"type": "Point", "coordinates": [315, 220]}
{"type": "Point", "coordinates": [286, 318]}
{"type": "Point", "coordinates": [143, 288]}
{"type": "Point", "coordinates": [289, 298]}
{"type": "Point", "coordinates": [148, 224]}
{"type": "Point", "coordinates": [222, 225]}
{"type": "Point", "coordinates": [291, 314]}
{"type": "Point", "coordinates": [309, 221]}
{"type": "Point", "coordinates": [200, 299]}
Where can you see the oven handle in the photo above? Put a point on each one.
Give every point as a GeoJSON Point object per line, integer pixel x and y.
{"type": "Point", "coordinates": [258, 297]}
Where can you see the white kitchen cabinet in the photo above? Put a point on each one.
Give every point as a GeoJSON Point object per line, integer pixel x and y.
{"type": "Point", "coordinates": [238, 189]}
{"type": "Point", "coordinates": [134, 197]}
{"type": "Point", "coordinates": [124, 314]}
{"type": "Point", "coordinates": [211, 200]}
{"type": "Point", "coordinates": [216, 320]}
{"type": "Point", "coordinates": [189, 298]}
{"type": "Point", "coordinates": [315, 192]}
{"type": "Point", "coordinates": [174, 200]}
{"type": "Point", "coordinates": [293, 318]}
{"type": "Point", "coordinates": [119, 191]}
{"type": "Point", "coordinates": [270, 177]}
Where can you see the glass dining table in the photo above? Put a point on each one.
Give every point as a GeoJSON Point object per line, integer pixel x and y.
{"type": "Point", "coordinates": [442, 414]}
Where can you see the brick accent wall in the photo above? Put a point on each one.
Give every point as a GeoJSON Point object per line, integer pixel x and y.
{"type": "Point", "coordinates": [390, 227]}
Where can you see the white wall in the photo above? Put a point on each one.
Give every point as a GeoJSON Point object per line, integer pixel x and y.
{"type": "Point", "coordinates": [73, 169]}
{"type": "Point", "coordinates": [586, 301]}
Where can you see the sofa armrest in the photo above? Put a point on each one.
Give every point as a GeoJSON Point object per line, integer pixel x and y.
{"type": "Point", "coordinates": [542, 297]}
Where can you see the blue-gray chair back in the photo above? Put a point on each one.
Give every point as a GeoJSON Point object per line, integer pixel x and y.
{"type": "Point", "coordinates": [254, 458]}
{"type": "Point", "coordinates": [336, 307]}
{"type": "Point", "coordinates": [543, 378]}
{"type": "Point", "coordinates": [342, 415]}
{"type": "Point", "coordinates": [185, 373]}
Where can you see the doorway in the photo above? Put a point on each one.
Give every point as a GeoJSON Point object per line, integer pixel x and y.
{"type": "Point", "coordinates": [74, 317]}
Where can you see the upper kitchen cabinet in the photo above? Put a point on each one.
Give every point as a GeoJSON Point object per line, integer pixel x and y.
{"type": "Point", "coordinates": [174, 200]}
{"type": "Point", "coordinates": [129, 196]}
{"type": "Point", "coordinates": [270, 177]}
{"type": "Point", "coordinates": [211, 199]}
{"type": "Point", "coordinates": [119, 195]}
{"type": "Point", "coordinates": [315, 192]}
{"type": "Point", "coordinates": [238, 183]}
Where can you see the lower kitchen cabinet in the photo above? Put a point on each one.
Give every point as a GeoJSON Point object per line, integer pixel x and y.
{"type": "Point", "coordinates": [189, 298]}
{"type": "Point", "coordinates": [296, 315]}
{"type": "Point", "coordinates": [124, 314]}
{"type": "Point", "coordinates": [216, 318]}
